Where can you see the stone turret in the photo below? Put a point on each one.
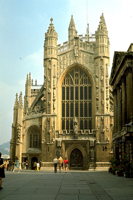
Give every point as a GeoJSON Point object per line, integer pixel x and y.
{"type": "Point", "coordinates": [50, 45]}
{"type": "Point", "coordinates": [102, 40]}
{"type": "Point", "coordinates": [15, 112]}
{"type": "Point", "coordinates": [13, 140]}
{"type": "Point", "coordinates": [17, 128]}
{"type": "Point", "coordinates": [50, 77]}
{"type": "Point", "coordinates": [50, 67]}
{"type": "Point", "coordinates": [102, 82]}
{"type": "Point", "coordinates": [102, 64]}
{"type": "Point", "coordinates": [20, 109]}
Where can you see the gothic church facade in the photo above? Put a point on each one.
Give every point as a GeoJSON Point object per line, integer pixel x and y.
{"type": "Point", "coordinates": [70, 114]}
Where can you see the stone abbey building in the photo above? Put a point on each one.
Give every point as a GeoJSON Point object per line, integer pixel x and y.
{"type": "Point", "coordinates": [71, 113]}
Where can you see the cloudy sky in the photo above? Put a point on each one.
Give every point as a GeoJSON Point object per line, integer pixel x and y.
{"type": "Point", "coordinates": [22, 27]}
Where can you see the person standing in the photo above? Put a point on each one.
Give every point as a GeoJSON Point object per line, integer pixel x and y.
{"type": "Point", "coordinates": [27, 164]}
{"type": "Point", "coordinates": [37, 166]}
{"type": "Point", "coordinates": [2, 171]}
{"type": "Point", "coordinates": [16, 166]}
{"type": "Point", "coordinates": [55, 161]}
{"type": "Point", "coordinates": [60, 163]}
{"type": "Point", "coordinates": [66, 164]}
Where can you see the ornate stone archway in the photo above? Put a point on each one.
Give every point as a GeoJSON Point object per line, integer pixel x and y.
{"type": "Point", "coordinates": [76, 159]}
{"type": "Point", "coordinates": [79, 148]}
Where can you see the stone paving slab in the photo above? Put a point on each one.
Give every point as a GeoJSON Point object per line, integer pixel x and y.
{"type": "Point", "coordinates": [73, 185]}
{"type": "Point", "coordinates": [67, 197]}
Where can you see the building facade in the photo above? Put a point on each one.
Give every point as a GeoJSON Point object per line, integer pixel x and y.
{"type": "Point", "coordinates": [71, 113]}
{"type": "Point", "coordinates": [122, 83]}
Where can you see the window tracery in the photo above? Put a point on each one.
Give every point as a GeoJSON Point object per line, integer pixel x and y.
{"type": "Point", "coordinates": [76, 100]}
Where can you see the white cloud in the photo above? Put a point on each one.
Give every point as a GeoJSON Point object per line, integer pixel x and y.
{"type": "Point", "coordinates": [34, 63]}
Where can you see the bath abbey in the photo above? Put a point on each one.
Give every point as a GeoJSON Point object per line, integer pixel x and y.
{"type": "Point", "coordinates": [70, 114]}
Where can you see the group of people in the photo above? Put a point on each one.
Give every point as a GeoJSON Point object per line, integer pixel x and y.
{"type": "Point", "coordinates": [61, 163]}
{"type": "Point", "coordinates": [9, 165]}
{"type": "Point", "coordinates": [58, 162]}
{"type": "Point", "coordinates": [36, 166]}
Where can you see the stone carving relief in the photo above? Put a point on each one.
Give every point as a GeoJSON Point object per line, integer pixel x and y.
{"type": "Point", "coordinates": [101, 61]}
{"type": "Point", "coordinates": [50, 133]}
{"type": "Point", "coordinates": [102, 69]}
{"type": "Point", "coordinates": [40, 107]}
{"type": "Point", "coordinates": [97, 93]}
{"type": "Point", "coordinates": [18, 133]}
{"type": "Point", "coordinates": [107, 93]}
{"type": "Point", "coordinates": [54, 82]}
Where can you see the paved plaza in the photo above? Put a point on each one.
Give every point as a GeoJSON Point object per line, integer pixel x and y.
{"type": "Point", "coordinates": [73, 185]}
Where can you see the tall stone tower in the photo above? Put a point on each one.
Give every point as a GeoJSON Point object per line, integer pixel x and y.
{"type": "Point", "coordinates": [70, 113]}
{"type": "Point", "coordinates": [103, 121]}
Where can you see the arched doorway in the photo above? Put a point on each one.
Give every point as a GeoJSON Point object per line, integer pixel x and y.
{"type": "Point", "coordinates": [33, 161]}
{"type": "Point", "coordinates": [76, 159]}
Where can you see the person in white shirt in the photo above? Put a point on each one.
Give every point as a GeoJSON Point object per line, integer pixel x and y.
{"type": "Point", "coordinates": [55, 161]}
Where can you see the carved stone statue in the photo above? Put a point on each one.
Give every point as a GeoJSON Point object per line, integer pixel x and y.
{"type": "Point", "coordinates": [76, 51]}
{"type": "Point", "coordinates": [75, 126]}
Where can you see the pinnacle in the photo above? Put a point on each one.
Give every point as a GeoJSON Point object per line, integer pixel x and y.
{"type": "Point", "coordinates": [51, 19]}
{"type": "Point", "coordinates": [72, 24]}
{"type": "Point", "coordinates": [16, 96]}
{"type": "Point", "coordinates": [51, 28]}
{"type": "Point", "coordinates": [102, 19]}
{"type": "Point", "coordinates": [28, 79]}
{"type": "Point", "coordinates": [102, 24]}
{"type": "Point", "coordinates": [87, 30]}
{"type": "Point", "coordinates": [72, 29]}
{"type": "Point", "coordinates": [16, 100]}
{"type": "Point", "coordinates": [20, 99]}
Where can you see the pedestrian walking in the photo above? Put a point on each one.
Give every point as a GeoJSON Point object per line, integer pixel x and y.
{"type": "Point", "coordinates": [16, 166]}
{"type": "Point", "coordinates": [2, 171]}
{"type": "Point", "coordinates": [60, 161]}
{"type": "Point", "coordinates": [66, 164]}
{"type": "Point", "coordinates": [27, 164]}
{"type": "Point", "coordinates": [37, 166]}
{"type": "Point", "coordinates": [55, 162]}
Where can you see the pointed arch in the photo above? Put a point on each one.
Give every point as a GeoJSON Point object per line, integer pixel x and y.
{"type": "Point", "coordinates": [76, 159]}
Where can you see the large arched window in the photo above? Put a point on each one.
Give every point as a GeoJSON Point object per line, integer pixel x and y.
{"type": "Point", "coordinates": [76, 100]}
{"type": "Point", "coordinates": [34, 137]}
